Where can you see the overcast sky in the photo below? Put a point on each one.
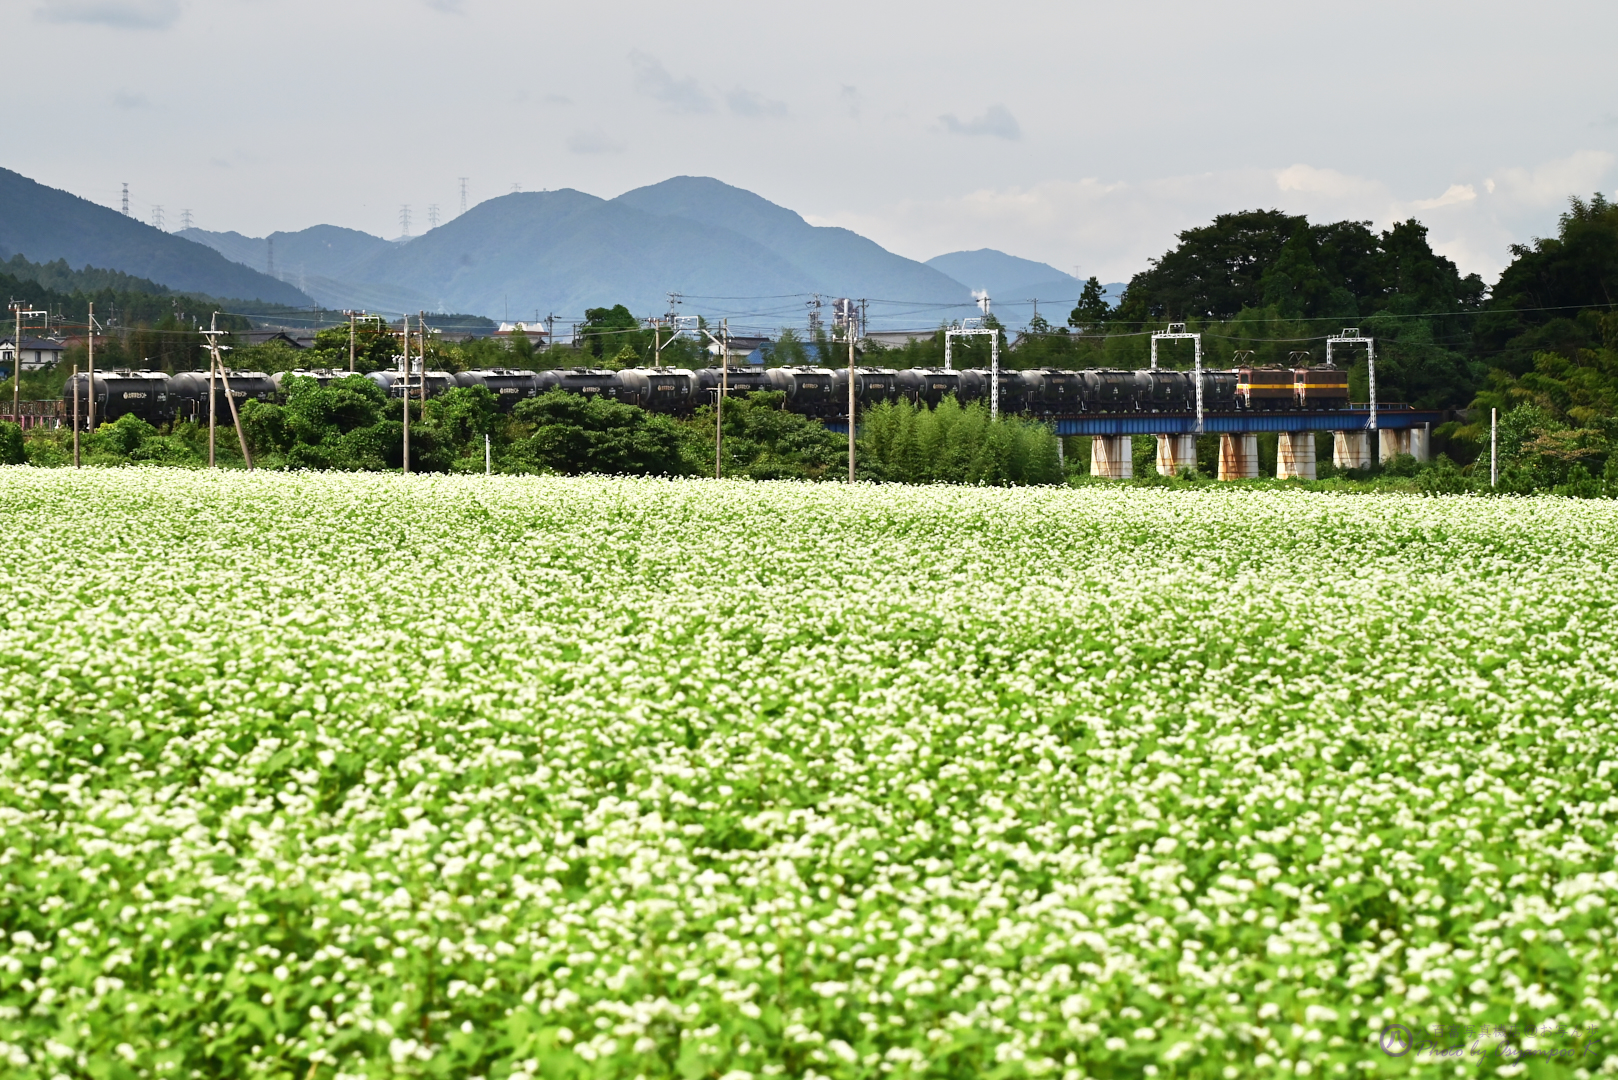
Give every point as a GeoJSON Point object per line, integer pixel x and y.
{"type": "Point", "coordinates": [1081, 134]}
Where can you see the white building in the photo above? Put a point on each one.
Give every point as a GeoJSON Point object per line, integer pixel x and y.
{"type": "Point", "coordinates": [37, 353]}
{"type": "Point", "coordinates": [534, 332]}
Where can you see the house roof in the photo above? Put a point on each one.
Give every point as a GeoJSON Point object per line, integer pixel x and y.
{"type": "Point", "coordinates": [35, 344]}
{"type": "Point", "coordinates": [261, 337]}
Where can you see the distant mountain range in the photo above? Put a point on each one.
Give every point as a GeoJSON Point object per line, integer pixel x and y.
{"type": "Point", "coordinates": [45, 224]}
{"type": "Point", "coordinates": [727, 252]}
{"type": "Point", "coordinates": [530, 253]}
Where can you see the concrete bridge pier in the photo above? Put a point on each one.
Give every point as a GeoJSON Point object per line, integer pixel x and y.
{"type": "Point", "coordinates": [1412, 441]}
{"type": "Point", "coordinates": [1176, 452]}
{"type": "Point", "coordinates": [1112, 457]}
{"type": "Point", "coordinates": [1295, 455]}
{"type": "Point", "coordinates": [1351, 449]}
{"type": "Point", "coordinates": [1238, 457]}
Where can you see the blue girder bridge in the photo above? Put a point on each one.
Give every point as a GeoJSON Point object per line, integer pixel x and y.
{"type": "Point", "coordinates": [1388, 418]}
{"type": "Point", "coordinates": [1396, 418]}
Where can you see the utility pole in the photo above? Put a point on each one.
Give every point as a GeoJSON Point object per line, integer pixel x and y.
{"type": "Point", "coordinates": [212, 334]}
{"type": "Point", "coordinates": [406, 395]}
{"type": "Point", "coordinates": [849, 329]}
{"type": "Point", "coordinates": [421, 350]}
{"type": "Point", "coordinates": [213, 403]}
{"type": "Point", "coordinates": [723, 341]}
{"type": "Point", "coordinates": [994, 374]}
{"type": "Point", "coordinates": [22, 311]}
{"type": "Point", "coordinates": [73, 381]}
{"type": "Point", "coordinates": [92, 376]}
{"type": "Point", "coordinates": [350, 315]}
{"type": "Point", "coordinates": [1494, 447]}
{"type": "Point", "coordinates": [724, 388]}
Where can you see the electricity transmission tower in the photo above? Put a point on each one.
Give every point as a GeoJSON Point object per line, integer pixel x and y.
{"type": "Point", "coordinates": [157, 218]}
{"type": "Point", "coordinates": [463, 194]}
{"type": "Point", "coordinates": [185, 219]}
{"type": "Point", "coordinates": [432, 216]}
{"type": "Point", "coordinates": [404, 221]}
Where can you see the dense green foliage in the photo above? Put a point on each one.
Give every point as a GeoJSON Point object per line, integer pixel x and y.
{"type": "Point", "coordinates": [582, 778]}
{"type": "Point", "coordinates": [1264, 258]}
{"type": "Point", "coordinates": [12, 451]}
{"type": "Point", "coordinates": [1550, 339]}
{"type": "Point", "coordinates": [576, 434]}
{"type": "Point", "coordinates": [609, 332]}
{"type": "Point", "coordinates": [951, 444]}
{"type": "Point", "coordinates": [763, 441]}
{"type": "Point", "coordinates": [351, 425]}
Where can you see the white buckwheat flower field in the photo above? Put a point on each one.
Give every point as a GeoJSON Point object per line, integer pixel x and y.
{"type": "Point", "coordinates": [340, 776]}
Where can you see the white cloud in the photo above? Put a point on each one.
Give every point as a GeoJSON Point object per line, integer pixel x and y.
{"type": "Point", "coordinates": [593, 142]}
{"type": "Point", "coordinates": [1550, 184]}
{"type": "Point", "coordinates": [1114, 228]}
{"type": "Point", "coordinates": [1307, 180]}
{"type": "Point", "coordinates": [126, 14]}
{"type": "Point", "coordinates": [654, 80]}
{"type": "Point", "coordinates": [1454, 194]}
{"type": "Point", "coordinates": [996, 120]}
{"type": "Point", "coordinates": [753, 104]}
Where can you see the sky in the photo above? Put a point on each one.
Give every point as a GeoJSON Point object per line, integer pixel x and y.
{"type": "Point", "coordinates": [1081, 134]}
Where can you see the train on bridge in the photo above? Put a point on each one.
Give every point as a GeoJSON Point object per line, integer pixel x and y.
{"type": "Point", "coordinates": [1043, 393]}
{"type": "Point", "coordinates": [1110, 406]}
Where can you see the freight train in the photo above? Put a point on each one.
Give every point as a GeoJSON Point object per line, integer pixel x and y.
{"type": "Point", "coordinates": [812, 391]}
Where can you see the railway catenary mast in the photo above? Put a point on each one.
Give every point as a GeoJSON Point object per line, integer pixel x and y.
{"type": "Point", "coordinates": [976, 327]}
{"type": "Point", "coordinates": [1353, 449]}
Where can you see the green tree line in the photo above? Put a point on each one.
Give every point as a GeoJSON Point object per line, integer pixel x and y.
{"type": "Point", "coordinates": [350, 424]}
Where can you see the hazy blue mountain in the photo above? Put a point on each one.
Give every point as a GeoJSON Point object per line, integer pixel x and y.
{"type": "Point", "coordinates": [45, 224]}
{"type": "Point", "coordinates": [837, 261]}
{"type": "Point", "coordinates": [321, 262]}
{"type": "Point", "coordinates": [564, 251]}
{"type": "Point", "coordinates": [1010, 279]}
{"type": "Point", "coordinates": [323, 250]}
